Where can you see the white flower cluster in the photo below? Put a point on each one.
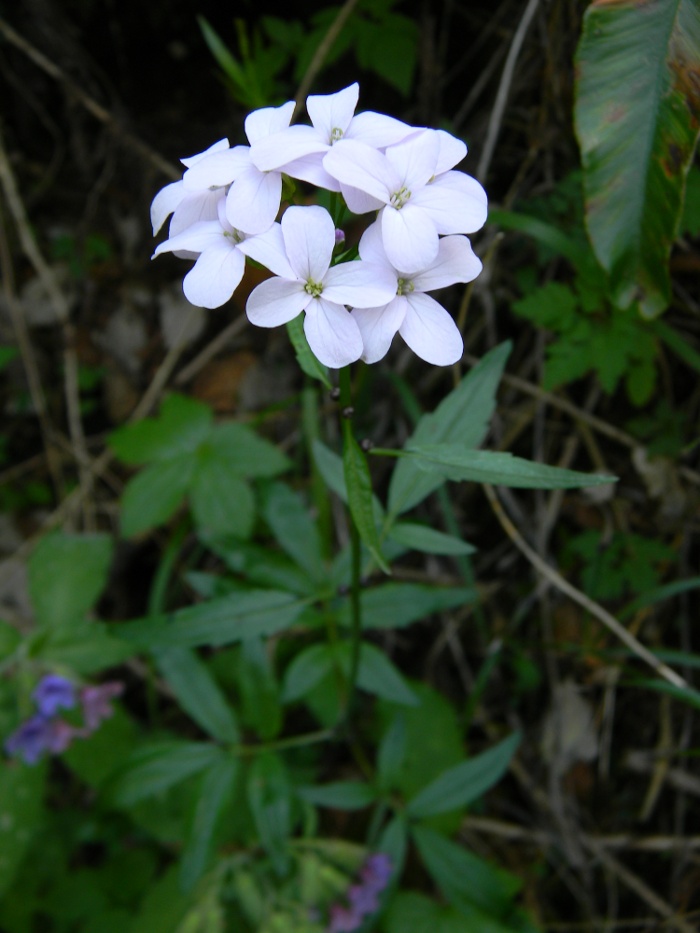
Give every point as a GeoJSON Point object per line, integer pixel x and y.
{"type": "Point", "coordinates": [226, 205]}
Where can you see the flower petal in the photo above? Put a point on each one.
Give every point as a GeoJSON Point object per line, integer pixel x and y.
{"type": "Point", "coordinates": [253, 200]}
{"type": "Point", "coordinates": [218, 146]}
{"type": "Point", "coordinates": [359, 284]}
{"type": "Point", "coordinates": [452, 151]}
{"type": "Point", "coordinates": [333, 334]}
{"type": "Point", "coordinates": [409, 237]}
{"type": "Point", "coordinates": [165, 203]}
{"type": "Point", "coordinates": [378, 326]}
{"type": "Point", "coordinates": [333, 112]}
{"type": "Point", "coordinates": [276, 151]}
{"type": "Point", "coordinates": [377, 129]}
{"type": "Point", "coordinates": [215, 275]}
{"type": "Point", "coordinates": [359, 202]}
{"type": "Point", "coordinates": [456, 203]}
{"type": "Point", "coordinates": [371, 248]}
{"type": "Point", "coordinates": [196, 207]}
{"type": "Point", "coordinates": [309, 238]}
{"type": "Point", "coordinates": [359, 166]}
{"type": "Point", "coordinates": [194, 239]}
{"type": "Point", "coordinates": [430, 331]}
{"type": "Point", "coordinates": [310, 168]}
{"type": "Point", "coordinates": [217, 170]}
{"type": "Point", "coordinates": [414, 160]}
{"type": "Point", "coordinates": [455, 262]}
{"type": "Point", "coordinates": [276, 301]}
{"type": "Point", "coordinates": [268, 120]}
{"type": "Point", "coordinates": [269, 250]}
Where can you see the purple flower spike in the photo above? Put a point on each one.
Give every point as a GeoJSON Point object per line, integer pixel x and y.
{"type": "Point", "coordinates": [96, 703]}
{"type": "Point", "coordinates": [30, 740]}
{"type": "Point", "coordinates": [343, 920]}
{"type": "Point", "coordinates": [52, 693]}
{"type": "Point", "coordinates": [376, 871]}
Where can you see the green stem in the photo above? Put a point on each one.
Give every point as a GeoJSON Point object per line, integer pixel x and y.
{"type": "Point", "coordinates": [356, 550]}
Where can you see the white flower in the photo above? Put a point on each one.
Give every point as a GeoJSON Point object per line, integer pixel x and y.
{"type": "Point", "coordinates": [299, 251]}
{"type": "Point", "coordinates": [253, 199]}
{"type": "Point", "coordinates": [187, 205]}
{"type": "Point", "coordinates": [416, 196]}
{"type": "Point", "coordinates": [298, 151]}
{"type": "Point", "coordinates": [424, 324]}
{"type": "Point", "coordinates": [220, 263]}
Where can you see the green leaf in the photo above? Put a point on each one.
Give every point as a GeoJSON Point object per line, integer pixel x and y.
{"type": "Point", "coordinates": [377, 675]}
{"type": "Point", "coordinates": [462, 417]}
{"type": "Point", "coordinates": [395, 605]}
{"type": "Point", "coordinates": [636, 114]}
{"type": "Point", "coordinates": [487, 466]}
{"type": "Point", "coordinates": [217, 786]}
{"type": "Point", "coordinates": [258, 688]}
{"type": "Point", "coordinates": [182, 425]}
{"type": "Point", "coordinates": [308, 362]}
{"type": "Point", "coordinates": [67, 573]}
{"type": "Point", "coordinates": [21, 795]}
{"type": "Point", "coordinates": [245, 453]}
{"type": "Point", "coordinates": [218, 622]}
{"type": "Point", "coordinates": [7, 354]}
{"type": "Point", "coordinates": [340, 795]}
{"type": "Point", "coordinates": [462, 784]}
{"type": "Point", "coordinates": [411, 912]}
{"type": "Point", "coordinates": [154, 495]}
{"type": "Point", "coordinates": [545, 233]}
{"type": "Point", "coordinates": [269, 799]}
{"type": "Point", "coordinates": [684, 694]}
{"type": "Point", "coordinates": [464, 879]}
{"type": "Point", "coordinates": [391, 753]}
{"type": "Point", "coordinates": [294, 529]}
{"type": "Point", "coordinates": [222, 503]}
{"type": "Point", "coordinates": [198, 693]}
{"type": "Point", "coordinates": [428, 540]}
{"type": "Point", "coordinates": [359, 486]}
{"type": "Point", "coordinates": [84, 647]}
{"type": "Point", "coordinates": [330, 466]}
{"type": "Point", "coordinates": [306, 671]}
{"type": "Point", "coordinates": [157, 767]}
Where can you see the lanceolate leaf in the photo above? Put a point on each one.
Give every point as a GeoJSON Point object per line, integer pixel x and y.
{"type": "Point", "coordinates": [502, 469]}
{"type": "Point", "coordinates": [637, 113]}
{"type": "Point", "coordinates": [359, 486]}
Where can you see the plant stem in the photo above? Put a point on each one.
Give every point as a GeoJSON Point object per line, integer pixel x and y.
{"type": "Point", "coordinates": [356, 552]}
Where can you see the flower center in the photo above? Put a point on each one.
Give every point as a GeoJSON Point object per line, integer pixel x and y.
{"type": "Point", "coordinates": [399, 198]}
{"type": "Point", "coordinates": [235, 235]}
{"type": "Point", "coordinates": [404, 287]}
{"type": "Point", "coordinates": [314, 288]}
{"type": "Point", "coordinates": [336, 134]}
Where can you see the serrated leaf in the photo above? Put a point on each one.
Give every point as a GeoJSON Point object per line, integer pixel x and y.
{"type": "Point", "coordinates": [67, 573]}
{"type": "Point", "coordinates": [305, 357]}
{"type": "Point", "coordinates": [428, 540]}
{"type": "Point", "coordinates": [553, 306]}
{"type": "Point", "coordinates": [158, 766]}
{"type": "Point", "coordinates": [222, 503]}
{"type": "Point", "coordinates": [269, 800]}
{"type": "Point", "coordinates": [340, 795]}
{"type": "Point", "coordinates": [246, 453]}
{"type": "Point", "coordinates": [294, 529]}
{"type": "Point", "coordinates": [153, 496]}
{"type": "Point", "coordinates": [198, 693]}
{"type": "Point", "coordinates": [636, 113]}
{"type": "Point", "coordinates": [359, 486]}
{"type": "Point", "coordinates": [181, 426]}
{"type": "Point", "coordinates": [462, 784]}
{"type": "Point", "coordinates": [218, 622]}
{"type": "Point", "coordinates": [500, 469]}
{"type": "Point", "coordinates": [395, 605]}
{"type": "Point", "coordinates": [464, 878]}
{"type": "Point", "coordinates": [216, 789]}
{"type": "Point", "coordinates": [307, 670]}
{"type": "Point", "coordinates": [462, 417]}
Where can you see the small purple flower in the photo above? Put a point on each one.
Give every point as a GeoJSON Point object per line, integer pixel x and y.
{"type": "Point", "coordinates": [30, 740]}
{"type": "Point", "coordinates": [52, 693]}
{"type": "Point", "coordinates": [363, 897]}
{"type": "Point", "coordinates": [343, 920]}
{"type": "Point", "coordinates": [376, 871]}
{"type": "Point", "coordinates": [96, 703]}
